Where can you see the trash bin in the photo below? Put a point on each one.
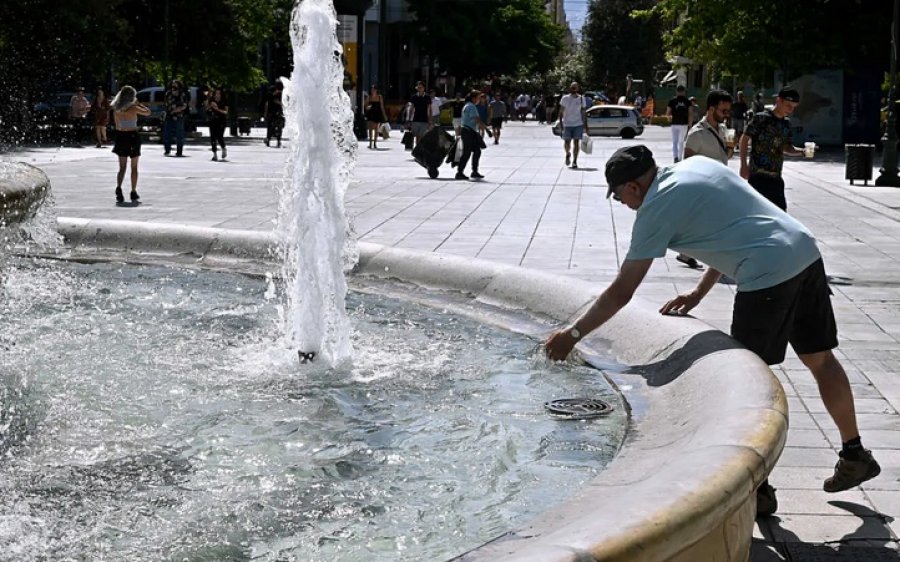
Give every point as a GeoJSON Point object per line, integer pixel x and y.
{"type": "Point", "coordinates": [244, 125]}
{"type": "Point", "coordinates": [859, 158]}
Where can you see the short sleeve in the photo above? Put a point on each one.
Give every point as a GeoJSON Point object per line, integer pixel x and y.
{"type": "Point", "coordinates": [693, 141]}
{"type": "Point", "coordinates": [752, 127]}
{"type": "Point", "coordinates": [650, 236]}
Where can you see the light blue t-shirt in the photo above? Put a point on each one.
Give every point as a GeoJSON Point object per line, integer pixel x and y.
{"type": "Point", "coordinates": [704, 209]}
{"type": "Point", "coordinates": [469, 116]}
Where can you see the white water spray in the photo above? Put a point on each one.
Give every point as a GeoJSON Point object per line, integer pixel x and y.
{"type": "Point", "coordinates": [315, 235]}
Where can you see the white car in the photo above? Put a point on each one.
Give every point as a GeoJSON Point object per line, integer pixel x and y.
{"type": "Point", "coordinates": [611, 121]}
{"type": "Point", "coordinates": [614, 121]}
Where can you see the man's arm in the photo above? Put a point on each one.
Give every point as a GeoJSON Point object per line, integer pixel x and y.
{"type": "Point", "coordinates": [682, 304]}
{"type": "Point", "coordinates": [744, 145]}
{"type": "Point", "coordinates": [613, 299]}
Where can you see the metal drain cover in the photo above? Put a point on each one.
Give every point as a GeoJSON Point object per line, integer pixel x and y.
{"type": "Point", "coordinates": [577, 408]}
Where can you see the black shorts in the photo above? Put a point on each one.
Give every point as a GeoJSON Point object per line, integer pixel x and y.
{"type": "Point", "coordinates": [796, 311]}
{"type": "Point", "coordinates": [771, 187]}
{"type": "Point", "coordinates": [128, 144]}
{"type": "Point", "coordinates": [497, 122]}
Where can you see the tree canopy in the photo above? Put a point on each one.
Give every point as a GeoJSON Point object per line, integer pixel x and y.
{"type": "Point", "coordinates": [753, 39]}
{"type": "Point", "coordinates": [47, 45]}
{"type": "Point", "coordinates": [477, 38]}
{"type": "Point", "coordinates": [618, 43]}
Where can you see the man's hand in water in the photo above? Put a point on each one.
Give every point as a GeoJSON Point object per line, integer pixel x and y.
{"type": "Point", "coordinates": [559, 344]}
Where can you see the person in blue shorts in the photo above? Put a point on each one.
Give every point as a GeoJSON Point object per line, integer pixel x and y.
{"type": "Point", "coordinates": [704, 209]}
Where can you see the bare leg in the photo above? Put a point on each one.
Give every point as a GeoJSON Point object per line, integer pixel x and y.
{"type": "Point", "coordinates": [567, 144]}
{"type": "Point", "coordinates": [98, 132]}
{"type": "Point", "coordinates": [575, 148]}
{"type": "Point", "coordinates": [123, 163]}
{"type": "Point", "coordinates": [134, 173]}
{"type": "Point", "coordinates": [834, 388]}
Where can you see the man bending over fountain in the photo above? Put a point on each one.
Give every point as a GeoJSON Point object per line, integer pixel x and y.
{"type": "Point", "coordinates": [705, 210]}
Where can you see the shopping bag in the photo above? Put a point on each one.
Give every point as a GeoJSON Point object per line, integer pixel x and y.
{"type": "Point", "coordinates": [407, 140]}
{"type": "Point", "coordinates": [385, 131]}
{"type": "Point", "coordinates": [587, 145]}
{"type": "Point", "coordinates": [557, 128]}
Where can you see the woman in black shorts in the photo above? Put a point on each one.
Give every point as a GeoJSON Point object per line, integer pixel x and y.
{"type": "Point", "coordinates": [128, 143]}
{"type": "Point", "coordinates": [375, 115]}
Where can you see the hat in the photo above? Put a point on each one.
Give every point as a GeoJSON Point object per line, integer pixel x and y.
{"type": "Point", "coordinates": [789, 94]}
{"type": "Point", "coordinates": [627, 164]}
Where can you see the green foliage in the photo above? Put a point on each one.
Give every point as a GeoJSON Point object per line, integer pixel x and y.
{"type": "Point", "coordinates": [477, 38]}
{"type": "Point", "coordinates": [753, 39]}
{"type": "Point", "coordinates": [570, 67]}
{"type": "Point", "coordinates": [619, 43]}
{"type": "Point", "coordinates": [48, 45]}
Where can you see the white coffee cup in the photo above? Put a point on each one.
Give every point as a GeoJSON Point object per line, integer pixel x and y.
{"type": "Point", "coordinates": [809, 149]}
{"type": "Point", "coordinates": [729, 135]}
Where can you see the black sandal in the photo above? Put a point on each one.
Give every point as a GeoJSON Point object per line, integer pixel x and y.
{"type": "Point", "coordinates": [135, 197]}
{"type": "Point", "coordinates": [119, 197]}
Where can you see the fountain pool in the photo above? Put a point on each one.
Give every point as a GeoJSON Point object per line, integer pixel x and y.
{"type": "Point", "coordinates": [152, 418]}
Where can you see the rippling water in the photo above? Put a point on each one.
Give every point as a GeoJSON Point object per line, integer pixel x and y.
{"type": "Point", "coordinates": [145, 414]}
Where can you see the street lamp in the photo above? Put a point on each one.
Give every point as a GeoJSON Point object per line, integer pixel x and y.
{"type": "Point", "coordinates": [889, 177]}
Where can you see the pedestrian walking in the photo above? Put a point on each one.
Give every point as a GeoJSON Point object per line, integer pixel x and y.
{"type": "Point", "coordinates": [573, 119]}
{"type": "Point", "coordinates": [482, 107]}
{"type": "Point", "coordinates": [217, 116]}
{"type": "Point", "coordinates": [679, 110]}
{"type": "Point", "coordinates": [421, 120]}
{"type": "Point", "coordinates": [702, 207]}
{"type": "Point", "coordinates": [437, 100]}
{"type": "Point", "coordinates": [739, 111]}
{"type": "Point", "coordinates": [498, 113]}
{"type": "Point", "coordinates": [708, 137]}
{"type": "Point", "coordinates": [126, 110]}
{"type": "Point", "coordinates": [79, 109]}
{"type": "Point", "coordinates": [458, 103]}
{"type": "Point", "coordinates": [176, 110]}
{"type": "Point", "coordinates": [472, 125]}
{"type": "Point", "coordinates": [274, 112]}
{"type": "Point", "coordinates": [375, 115]}
{"type": "Point", "coordinates": [766, 140]}
{"type": "Point", "coordinates": [100, 114]}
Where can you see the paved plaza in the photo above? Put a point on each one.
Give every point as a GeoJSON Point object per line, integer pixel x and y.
{"type": "Point", "coordinates": [532, 211]}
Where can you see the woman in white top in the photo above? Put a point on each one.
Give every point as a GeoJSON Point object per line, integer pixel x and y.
{"type": "Point", "coordinates": [128, 142]}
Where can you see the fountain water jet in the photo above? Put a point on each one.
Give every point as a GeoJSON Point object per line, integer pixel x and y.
{"type": "Point", "coordinates": [312, 223]}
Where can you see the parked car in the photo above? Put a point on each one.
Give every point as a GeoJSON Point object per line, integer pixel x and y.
{"type": "Point", "coordinates": [55, 109]}
{"type": "Point", "coordinates": [155, 99]}
{"type": "Point", "coordinates": [611, 121]}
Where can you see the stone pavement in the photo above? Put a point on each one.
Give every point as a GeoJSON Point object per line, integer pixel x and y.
{"type": "Point", "coordinates": [532, 211]}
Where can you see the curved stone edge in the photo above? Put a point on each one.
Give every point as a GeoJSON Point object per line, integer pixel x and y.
{"type": "Point", "coordinates": [682, 488]}
{"type": "Point", "coordinates": [23, 188]}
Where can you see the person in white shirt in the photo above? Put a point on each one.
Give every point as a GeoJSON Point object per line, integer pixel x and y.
{"type": "Point", "coordinates": [437, 100]}
{"type": "Point", "coordinates": [573, 119]}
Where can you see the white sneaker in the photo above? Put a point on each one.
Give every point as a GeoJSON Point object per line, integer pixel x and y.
{"type": "Point", "coordinates": [224, 153]}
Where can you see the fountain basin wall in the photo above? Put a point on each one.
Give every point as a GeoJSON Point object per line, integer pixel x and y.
{"type": "Point", "coordinates": [22, 190]}
{"type": "Point", "coordinates": [709, 418]}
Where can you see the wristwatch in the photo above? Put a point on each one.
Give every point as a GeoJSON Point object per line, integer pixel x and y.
{"type": "Point", "coordinates": [575, 333]}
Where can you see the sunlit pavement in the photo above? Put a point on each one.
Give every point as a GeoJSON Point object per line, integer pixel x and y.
{"type": "Point", "coordinates": [531, 210]}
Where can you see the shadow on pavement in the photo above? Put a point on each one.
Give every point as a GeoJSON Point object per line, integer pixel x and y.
{"type": "Point", "coordinates": [872, 541]}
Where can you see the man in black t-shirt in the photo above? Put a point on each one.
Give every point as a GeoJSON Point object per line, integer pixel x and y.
{"type": "Point", "coordinates": [680, 111]}
{"type": "Point", "coordinates": [738, 116]}
{"type": "Point", "coordinates": [421, 120]}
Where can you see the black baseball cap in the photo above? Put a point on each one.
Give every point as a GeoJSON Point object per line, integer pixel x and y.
{"type": "Point", "coordinates": [627, 164]}
{"type": "Point", "coordinates": [789, 94]}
